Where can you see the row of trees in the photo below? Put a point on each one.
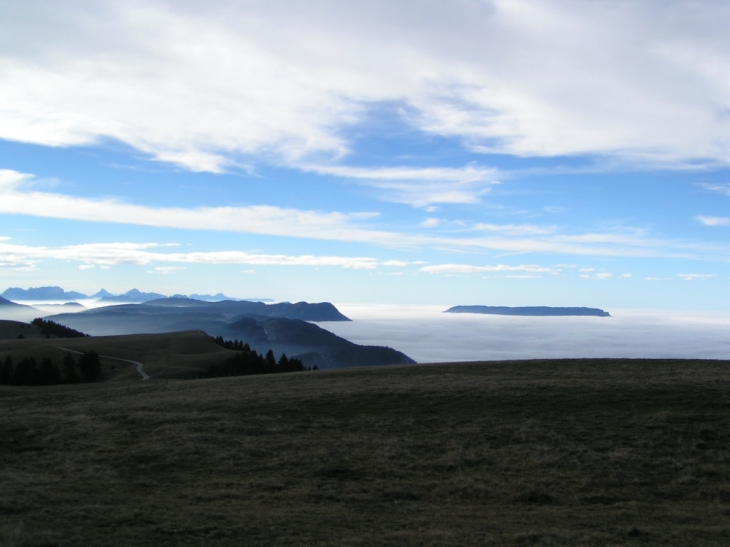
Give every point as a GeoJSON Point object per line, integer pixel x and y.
{"type": "Point", "coordinates": [29, 372]}
{"type": "Point", "coordinates": [51, 328]}
{"type": "Point", "coordinates": [248, 361]}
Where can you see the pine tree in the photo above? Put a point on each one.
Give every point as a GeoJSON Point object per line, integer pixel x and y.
{"type": "Point", "coordinates": [283, 365]}
{"type": "Point", "coordinates": [46, 376]}
{"type": "Point", "coordinates": [26, 373]}
{"type": "Point", "coordinates": [69, 369]}
{"type": "Point", "coordinates": [6, 372]}
{"type": "Point", "coordinates": [270, 361]}
{"type": "Point", "coordinates": [90, 366]}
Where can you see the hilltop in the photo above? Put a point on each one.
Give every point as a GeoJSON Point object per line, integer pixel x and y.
{"type": "Point", "coordinates": [17, 312]}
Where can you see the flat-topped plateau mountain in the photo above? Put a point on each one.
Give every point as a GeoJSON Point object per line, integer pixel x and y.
{"type": "Point", "coordinates": [534, 311]}
{"type": "Point", "coordinates": [169, 314]}
{"type": "Point", "coordinates": [41, 293]}
{"type": "Point", "coordinates": [563, 452]}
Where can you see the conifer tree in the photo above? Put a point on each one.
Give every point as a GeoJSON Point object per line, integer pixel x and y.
{"type": "Point", "coordinates": [69, 369]}
{"type": "Point", "coordinates": [89, 366]}
{"type": "Point", "coordinates": [47, 373]}
{"type": "Point", "coordinates": [6, 372]}
{"type": "Point", "coordinates": [271, 360]}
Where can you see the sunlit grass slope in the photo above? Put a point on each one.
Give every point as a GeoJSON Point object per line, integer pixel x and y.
{"type": "Point", "coordinates": [590, 453]}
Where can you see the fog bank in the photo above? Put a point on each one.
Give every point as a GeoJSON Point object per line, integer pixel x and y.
{"type": "Point", "coordinates": [429, 336]}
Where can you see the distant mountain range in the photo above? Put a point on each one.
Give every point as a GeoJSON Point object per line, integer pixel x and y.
{"type": "Point", "coordinates": [41, 293]}
{"type": "Point", "coordinates": [133, 296]}
{"type": "Point", "coordinates": [535, 311]}
{"type": "Point", "coordinates": [282, 327]}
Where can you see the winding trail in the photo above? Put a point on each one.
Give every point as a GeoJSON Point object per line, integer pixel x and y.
{"type": "Point", "coordinates": [139, 365]}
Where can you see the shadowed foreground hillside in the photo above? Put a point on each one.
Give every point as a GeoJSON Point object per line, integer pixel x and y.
{"type": "Point", "coordinates": [590, 453]}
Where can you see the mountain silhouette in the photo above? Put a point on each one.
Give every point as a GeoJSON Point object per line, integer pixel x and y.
{"type": "Point", "coordinates": [282, 327]}
{"type": "Point", "coordinates": [535, 311]}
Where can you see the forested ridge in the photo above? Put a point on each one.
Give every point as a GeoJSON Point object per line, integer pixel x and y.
{"type": "Point", "coordinates": [51, 328]}
{"type": "Point", "coordinates": [247, 361]}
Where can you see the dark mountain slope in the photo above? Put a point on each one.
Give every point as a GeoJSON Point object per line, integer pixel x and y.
{"type": "Point", "coordinates": [17, 312]}
{"type": "Point", "coordinates": [311, 343]}
{"type": "Point", "coordinates": [260, 325]}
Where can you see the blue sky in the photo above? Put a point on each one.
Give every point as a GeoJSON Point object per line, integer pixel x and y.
{"type": "Point", "coordinates": [552, 152]}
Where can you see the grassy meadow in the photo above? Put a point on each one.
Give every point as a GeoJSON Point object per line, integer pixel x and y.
{"type": "Point", "coordinates": [168, 355]}
{"type": "Point", "coordinates": [567, 452]}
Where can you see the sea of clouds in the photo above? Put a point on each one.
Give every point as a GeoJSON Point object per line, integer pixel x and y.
{"type": "Point", "coordinates": [428, 335]}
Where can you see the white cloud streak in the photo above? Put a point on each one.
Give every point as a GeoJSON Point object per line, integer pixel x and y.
{"type": "Point", "coordinates": [419, 187]}
{"type": "Point", "coordinates": [714, 221]}
{"type": "Point", "coordinates": [696, 276]}
{"type": "Point", "coordinates": [467, 268]}
{"type": "Point", "coordinates": [720, 188]}
{"type": "Point", "coordinates": [16, 198]}
{"type": "Point", "coordinates": [111, 254]}
{"type": "Point", "coordinates": [165, 270]}
{"type": "Point", "coordinates": [515, 229]}
{"type": "Point", "coordinates": [260, 219]}
{"type": "Point", "coordinates": [203, 84]}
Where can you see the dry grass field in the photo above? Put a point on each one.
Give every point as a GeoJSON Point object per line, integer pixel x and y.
{"type": "Point", "coordinates": [570, 452]}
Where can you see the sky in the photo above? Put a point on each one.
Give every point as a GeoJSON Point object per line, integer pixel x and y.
{"type": "Point", "coordinates": [419, 152]}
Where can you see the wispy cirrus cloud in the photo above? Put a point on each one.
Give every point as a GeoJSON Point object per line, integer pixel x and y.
{"type": "Point", "coordinates": [144, 254]}
{"type": "Point", "coordinates": [720, 188]}
{"type": "Point", "coordinates": [499, 268]}
{"type": "Point", "coordinates": [515, 229]}
{"type": "Point", "coordinates": [165, 270]}
{"type": "Point", "coordinates": [696, 276]}
{"type": "Point", "coordinates": [419, 187]}
{"type": "Point", "coordinates": [714, 221]}
{"type": "Point", "coordinates": [262, 219]}
{"type": "Point", "coordinates": [590, 273]}
{"type": "Point", "coordinates": [18, 197]}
